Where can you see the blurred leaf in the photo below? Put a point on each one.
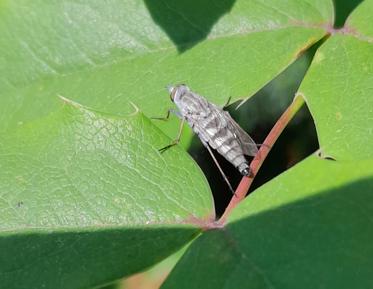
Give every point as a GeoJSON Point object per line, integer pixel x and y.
{"type": "Point", "coordinates": [310, 228]}
{"type": "Point", "coordinates": [86, 198]}
{"type": "Point", "coordinates": [112, 286]}
{"type": "Point", "coordinates": [339, 87]}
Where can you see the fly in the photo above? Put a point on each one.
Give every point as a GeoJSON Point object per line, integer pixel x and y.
{"type": "Point", "coordinates": [215, 128]}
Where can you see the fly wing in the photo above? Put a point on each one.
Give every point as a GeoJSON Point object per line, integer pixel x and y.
{"type": "Point", "coordinates": [248, 146]}
{"type": "Point", "coordinates": [209, 123]}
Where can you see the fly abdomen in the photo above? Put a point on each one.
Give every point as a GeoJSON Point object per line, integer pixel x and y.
{"type": "Point", "coordinates": [240, 162]}
{"type": "Point", "coordinates": [245, 170]}
{"type": "Point", "coordinates": [230, 148]}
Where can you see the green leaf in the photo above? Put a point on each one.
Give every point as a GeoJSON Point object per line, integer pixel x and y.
{"type": "Point", "coordinates": [356, 23]}
{"type": "Point", "coordinates": [103, 55]}
{"type": "Point", "coordinates": [86, 198]}
{"type": "Point", "coordinates": [339, 87]}
{"type": "Point", "coordinates": [311, 227]}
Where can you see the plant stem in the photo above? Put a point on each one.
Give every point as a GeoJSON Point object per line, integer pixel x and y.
{"type": "Point", "coordinates": [263, 152]}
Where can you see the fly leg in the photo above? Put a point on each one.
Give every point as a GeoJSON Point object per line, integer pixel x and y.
{"type": "Point", "coordinates": [176, 140]}
{"type": "Point", "coordinates": [227, 103]}
{"type": "Point", "coordinates": [217, 164]}
{"type": "Point", "coordinates": [263, 144]}
{"type": "Point", "coordinates": [169, 111]}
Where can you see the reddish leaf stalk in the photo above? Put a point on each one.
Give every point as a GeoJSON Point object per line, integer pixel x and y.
{"type": "Point", "coordinates": [263, 152]}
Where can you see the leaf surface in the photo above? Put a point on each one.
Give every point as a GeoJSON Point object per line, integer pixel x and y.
{"type": "Point", "coordinates": [105, 55]}
{"type": "Point", "coordinates": [86, 198]}
{"type": "Point", "coordinates": [311, 226]}
{"type": "Point", "coordinates": [86, 195]}
{"type": "Point", "coordinates": [339, 87]}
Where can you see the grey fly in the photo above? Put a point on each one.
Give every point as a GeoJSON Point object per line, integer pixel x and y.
{"type": "Point", "coordinates": [215, 128]}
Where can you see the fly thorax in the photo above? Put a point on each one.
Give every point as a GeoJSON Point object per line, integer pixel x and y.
{"type": "Point", "coordinates": [186, 104]}
{"type": "Point", "coordinates": [179, 92]}
{"type": "Point", "coordinates": [180, 103]}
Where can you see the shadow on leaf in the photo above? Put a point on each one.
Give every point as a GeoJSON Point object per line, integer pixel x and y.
{"type": "Point", "coordinates": [323, 241]}
{"type": "Point", "coordinates": [187, 22]}
{"type": "Point", "coordinates": [343, 9]}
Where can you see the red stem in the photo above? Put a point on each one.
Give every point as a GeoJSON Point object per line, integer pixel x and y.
{"type": "Point", "coordinates": [263, 152]}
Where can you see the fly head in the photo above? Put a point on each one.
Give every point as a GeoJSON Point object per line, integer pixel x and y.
{"type": "Point", "coordinates": [177, 91]}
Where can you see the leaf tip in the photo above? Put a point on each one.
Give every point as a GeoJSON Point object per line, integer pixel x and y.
{"type": "Point", "coordinates": [135, 107]}
{"type": "Point", "coordinates": [301, 95]}
{"type": "Point", "coordinates": [322, 155]}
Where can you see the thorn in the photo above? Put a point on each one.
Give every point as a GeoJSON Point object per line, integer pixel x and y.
{"type": "Point", "coordinates": [135, 107]}
{"type": "Point", "coordinates": [68, 101]}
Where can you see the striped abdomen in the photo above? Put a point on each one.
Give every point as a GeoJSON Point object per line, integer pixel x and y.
{"type": "Point", "coordinates": [212, 126]}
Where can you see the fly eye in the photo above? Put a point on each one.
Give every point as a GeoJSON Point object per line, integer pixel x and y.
{"type": "Point", "coordinates": [171, 90]}
{"type": "Point", "coordinates": [172, 94]}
